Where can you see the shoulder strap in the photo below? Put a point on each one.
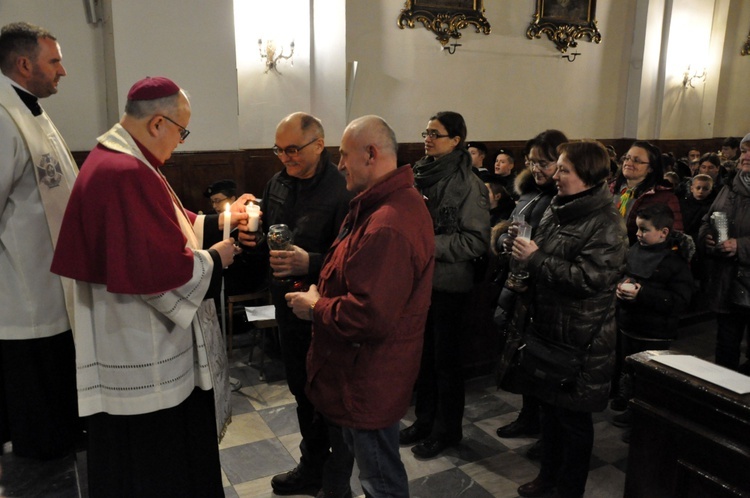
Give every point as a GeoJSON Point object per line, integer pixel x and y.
{"type": "Point", "coordinates": [531, 202]}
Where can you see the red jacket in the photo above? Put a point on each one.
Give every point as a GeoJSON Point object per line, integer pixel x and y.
{"type": "Point", "coordinates": [368, 325]}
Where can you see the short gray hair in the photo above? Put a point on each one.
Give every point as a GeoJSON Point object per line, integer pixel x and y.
{"type": "Point", "coordinates": [140, 109]}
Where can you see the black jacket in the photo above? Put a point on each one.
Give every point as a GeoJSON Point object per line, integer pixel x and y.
{"type": "Point", "coordinates": [313, 209]}
{"type": "Point", "coordinates": [582, 246]}
{"type": "Point", "coordinates": [666, 289]}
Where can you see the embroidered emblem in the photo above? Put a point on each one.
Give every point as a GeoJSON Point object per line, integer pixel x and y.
{"type": "Point", "coordinates": [49, 171]}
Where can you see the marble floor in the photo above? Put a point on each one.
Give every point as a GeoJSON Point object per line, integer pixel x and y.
{"type": "Point", "coordinates": [263, 440]}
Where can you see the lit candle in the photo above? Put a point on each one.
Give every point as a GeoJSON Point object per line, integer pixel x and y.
{"type": "Point", "coordinates": [227, 221]}
{"type": "Point", "coordinates": [253, 217]}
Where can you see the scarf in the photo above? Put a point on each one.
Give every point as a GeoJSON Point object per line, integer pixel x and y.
{"type": "Point", "coordinates": [626, 195]}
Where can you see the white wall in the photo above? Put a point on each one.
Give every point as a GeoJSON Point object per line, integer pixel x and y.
{"type": "Point", "coordinates": [732, 111]}
{"type": "Point", "coordinates": [507, 86]}
{"type": "Point", "coordinates": [191, 42]}
{"type": "Point", "coordinates": [77, 109]}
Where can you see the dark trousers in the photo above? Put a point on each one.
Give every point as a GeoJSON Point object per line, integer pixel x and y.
{"type": "Point", "coordinates": [630, 345]}
{"type": "Point", "coordinates": [38, 400]}
{"type": "Point", "coordinates": [440, 385]}
{"type": "Point", "coordinates": [729, 332]}
{"type": "Point", "coordinates": [567, 441]}
{"type": "Point", "coordinates": [295, 336]}
{"type": "Point", "coordinates": [530, 409]}
{"type": "Point", "coordinates": [171, 452]}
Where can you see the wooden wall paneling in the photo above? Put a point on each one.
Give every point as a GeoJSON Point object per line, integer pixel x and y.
{"type": "Point", "coordinates": [191, 172]}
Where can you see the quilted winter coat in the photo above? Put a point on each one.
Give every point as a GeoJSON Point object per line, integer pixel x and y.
{"type": "Point", "coordinates": [582, 246]}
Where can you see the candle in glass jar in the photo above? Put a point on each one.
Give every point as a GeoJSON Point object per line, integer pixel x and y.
{"type": "Point", "coordinates": [253, 217]}
{"type": "Point", "coordinates": [227, 221]}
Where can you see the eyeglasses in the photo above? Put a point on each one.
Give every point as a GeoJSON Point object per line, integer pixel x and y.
{"type": "Point", "coordinates": [292, 150]}
{"type": "Point", "coordinates": [184, 132]}
{"type": "Point", "coordinates": [433, 134]}
{"type": "Point", "coordinates": [541, 164]}
{"type": "Point", "coordinates": [633, 160]}
{"type": "Point", "coordinates": [218, 202]}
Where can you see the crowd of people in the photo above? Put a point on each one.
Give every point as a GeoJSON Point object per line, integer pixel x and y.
{"type": "Point", "coordinates": [110, 315]}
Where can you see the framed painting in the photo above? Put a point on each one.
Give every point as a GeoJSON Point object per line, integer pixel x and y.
{"type": "Point", "coordinates": [445, 18]}
{"type": "Point", "coordinates": [565, 22]}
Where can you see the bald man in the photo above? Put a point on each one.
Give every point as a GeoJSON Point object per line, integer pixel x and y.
{"type": "Point", "coordinates": [369, 325]}
{"type": "Point", "coordinates": [309, 196]}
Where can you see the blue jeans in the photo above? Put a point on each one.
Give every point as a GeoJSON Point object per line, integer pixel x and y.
{"type": "Point", "coordinates": [381, 471]}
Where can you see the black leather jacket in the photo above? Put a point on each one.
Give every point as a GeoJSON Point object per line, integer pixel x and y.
{"type": "Point", "coordinates": [313, 209]}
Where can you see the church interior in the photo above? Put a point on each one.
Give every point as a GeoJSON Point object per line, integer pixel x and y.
{"type": "Point", "coordinates": [672, 72]}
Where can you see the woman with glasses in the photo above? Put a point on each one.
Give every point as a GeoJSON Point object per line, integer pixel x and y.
{"type": "Point", "coordinates": [641, 183]}
{"type": "Point", "coordinates": [536, 188]}
{"type": "Point", "coordinates": [458, 203]}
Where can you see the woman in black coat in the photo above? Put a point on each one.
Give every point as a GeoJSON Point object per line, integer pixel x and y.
{"type": "Point", "coordinates": [575, 259]}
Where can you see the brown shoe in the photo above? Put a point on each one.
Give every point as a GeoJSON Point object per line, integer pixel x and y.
{"type": "Point", "coordinates": [536, 488]}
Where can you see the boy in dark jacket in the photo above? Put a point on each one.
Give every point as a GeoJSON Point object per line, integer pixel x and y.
{"type": "Point", "coordinates": [694, 207]}
{"type": "Point", "coordinates": [696, 204]}
{"type": "Point", "coordinates": [657, 288]}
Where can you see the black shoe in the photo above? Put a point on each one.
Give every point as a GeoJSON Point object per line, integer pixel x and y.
{"type": "Point", "coordinates": [520, 427]}
{"type": "Point", "coordinates": [623, 420]}
{"type": "Point", "coordinates": [430, 447]}
{"type": "Point", "coordinates": [412, 434]}
{"type": "Point", "coordinates": [536, 488]}
{"type": "Point", "coordinates": [535, 452]}
{"type": "Point", "coordinates": [297, 482]}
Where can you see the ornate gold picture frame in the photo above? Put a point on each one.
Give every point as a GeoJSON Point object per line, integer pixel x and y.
{"type": "Point", "coordinates": [565, 22]}
{"type": "Point", "coordinates": [445, 18]}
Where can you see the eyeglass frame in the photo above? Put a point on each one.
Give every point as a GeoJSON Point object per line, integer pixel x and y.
{"type": "Point", "coordinates": [184, 132]}
{"type": "Point", "coordinates": [633, 160]}
{"type": "Point", "coordinates": [291, 153]}
{"type": "Point", "coordinates": [537, 165]}
{"type": "Point", "coordinates": [215, 202]}
{"type": "Point", "coordinates": [433, 135]}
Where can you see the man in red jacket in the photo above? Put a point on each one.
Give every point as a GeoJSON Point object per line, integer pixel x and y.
{"type": "Point", "coordinates": [369, 312]}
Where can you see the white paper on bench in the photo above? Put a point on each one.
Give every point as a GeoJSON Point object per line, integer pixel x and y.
{"type": "Point", "coordinates": [728, 379]}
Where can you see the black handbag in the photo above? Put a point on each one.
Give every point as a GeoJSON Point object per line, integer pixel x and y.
{"type": "Point", "coordinates": [739, 289]}
{"type": "Point", "coordinates": [540, 362]}
{"type": "Point", "coordinates": [548, 363]}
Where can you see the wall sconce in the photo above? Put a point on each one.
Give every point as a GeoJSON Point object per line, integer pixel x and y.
{"type": "Point", "coordinates": [571, 57]}
{"type": "Point", "coordinates": [690, 75]}
{"type": "Point", "coordinates": [448, 48]}
{"type": "Point", "coordinates": [272, 58]}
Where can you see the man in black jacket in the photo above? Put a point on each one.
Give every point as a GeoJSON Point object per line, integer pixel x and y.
{"type": "Point", "coordinates": [309, 195]}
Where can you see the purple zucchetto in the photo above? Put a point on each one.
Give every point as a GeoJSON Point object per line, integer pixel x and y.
{"type": "Point", "coordinates": [152, 88]}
